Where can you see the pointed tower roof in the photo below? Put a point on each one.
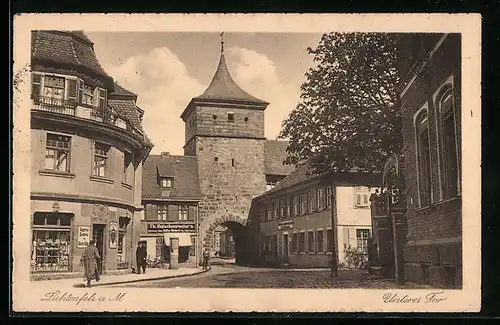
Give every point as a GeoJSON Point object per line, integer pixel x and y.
{"type": "Point", "coordinates": [223, 87]}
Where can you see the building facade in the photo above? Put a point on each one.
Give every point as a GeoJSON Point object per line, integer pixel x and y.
{"type": "Point", "coordinates": [87, 150]}
{"type": "Point", "coordinates": [293, 221]}
{"type": "Point", "coordinates": [170, 198]}
{"type": "Point", "coordinates": [224, 130]}
{"type": "Point", "coordinates": [430, 94]}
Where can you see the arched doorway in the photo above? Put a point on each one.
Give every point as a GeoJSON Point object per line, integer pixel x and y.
{"type": "Point", "coordinates": [236, 228]}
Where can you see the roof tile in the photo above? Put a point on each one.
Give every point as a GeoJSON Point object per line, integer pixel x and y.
{"type": "Point", "coordinates": [274, 156]}
{"type": "Point", "coordinates": [184, 170]}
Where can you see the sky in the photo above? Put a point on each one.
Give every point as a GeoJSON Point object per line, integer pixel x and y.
{"type": "Point", "coordinates": [167, 69]}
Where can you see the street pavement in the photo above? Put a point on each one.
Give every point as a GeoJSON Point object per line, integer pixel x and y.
{"type": "Point", "coordinates": [226, 275]}
{"type": "Point", "coordinates": [106, 280]}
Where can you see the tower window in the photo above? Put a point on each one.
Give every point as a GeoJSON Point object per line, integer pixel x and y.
{"type": "Point", "coordinates": [246, 119]}
{"type": "Point", "coordinates": [232, 162]}
{"type": "Point", "coordinates": [214, 117]}
{"type": "Point", "coordinates": [216, 158]}
{"type": "Point", "coordinates": [230, 117]}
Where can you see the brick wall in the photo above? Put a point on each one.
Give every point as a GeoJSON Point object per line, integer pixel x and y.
{"type": "Point", "coordinates": [434, 232]}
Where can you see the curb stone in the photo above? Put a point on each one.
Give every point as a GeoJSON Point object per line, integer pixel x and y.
{"type": "Point", "coordinates": [152, 279]}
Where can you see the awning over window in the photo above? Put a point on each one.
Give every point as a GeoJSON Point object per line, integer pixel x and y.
{"type": "Point", "coordinates": [184, 238]}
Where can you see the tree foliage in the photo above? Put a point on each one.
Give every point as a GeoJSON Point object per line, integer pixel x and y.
{"type": "Point", "coordinates": [348, 115]}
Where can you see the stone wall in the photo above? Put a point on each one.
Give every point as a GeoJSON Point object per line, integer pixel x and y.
{"type": "Point", "coordinates": [231, 174]}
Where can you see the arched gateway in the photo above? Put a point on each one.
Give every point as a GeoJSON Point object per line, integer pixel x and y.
{"type": "Point", "coordinates": [237, 226]}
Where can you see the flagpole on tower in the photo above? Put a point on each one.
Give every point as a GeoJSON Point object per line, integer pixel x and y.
{"type": "Point", "coordinates": [222, 42]}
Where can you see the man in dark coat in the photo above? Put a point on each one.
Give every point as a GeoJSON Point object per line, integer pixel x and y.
{"type": "Point", "coordinates": [206, 259]}
{"type": "Point", "coordinates": [141, 258]}
{"type": "Point", "coordinates": [89, 260]}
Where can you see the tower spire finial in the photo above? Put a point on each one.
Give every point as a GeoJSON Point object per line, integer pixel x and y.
{"type": "Point", "coordinates": [222, 42]}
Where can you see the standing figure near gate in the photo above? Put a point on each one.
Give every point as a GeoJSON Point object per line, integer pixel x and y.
{"type": "Point", "coordinates": [89, 260]}
{"type": "Point", "coordinates": [206, 259]}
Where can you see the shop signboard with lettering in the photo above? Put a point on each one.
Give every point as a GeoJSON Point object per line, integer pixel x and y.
{"type": "Point", "coordinates": [165, 227]}
{"type": "Point", "coordinates": [83, 237]}
{"type": "Point", "coordinates": [288, 224]}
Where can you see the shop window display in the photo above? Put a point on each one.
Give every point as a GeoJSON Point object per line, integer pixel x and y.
{"type": "Point", "coordinates": [51, 245]}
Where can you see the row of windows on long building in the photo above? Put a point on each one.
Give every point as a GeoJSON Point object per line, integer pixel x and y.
{"type": "Point", "coordinates": [311, 201]}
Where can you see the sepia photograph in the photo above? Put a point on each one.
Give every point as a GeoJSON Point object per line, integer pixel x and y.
{"type": "Point", "coordinates": [200, 159]}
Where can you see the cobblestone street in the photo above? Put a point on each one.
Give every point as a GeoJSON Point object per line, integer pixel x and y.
{"type": "Point", "coordinates": [232, 276]}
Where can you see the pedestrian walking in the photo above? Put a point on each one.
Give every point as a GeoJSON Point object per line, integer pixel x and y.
{"type": "Point", "coordinates": [140, 255]}
{"type": "Point", "coordinates": [206, 259]}
{"type": "Point", "coordinates": [89, 260]}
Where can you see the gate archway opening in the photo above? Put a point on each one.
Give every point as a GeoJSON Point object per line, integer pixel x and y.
{"type": "Point", "coordinates": [237, 240]}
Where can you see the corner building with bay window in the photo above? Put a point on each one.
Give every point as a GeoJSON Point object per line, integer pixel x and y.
{"type": "Point", "coordinates": [87, 152]}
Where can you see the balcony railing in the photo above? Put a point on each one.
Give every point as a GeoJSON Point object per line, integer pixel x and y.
{"type": "Point", "coordinates": [72, 108]}
{"type": "Point", "coordinates": [55, 105]}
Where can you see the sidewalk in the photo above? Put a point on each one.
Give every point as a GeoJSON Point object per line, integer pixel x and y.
{"type": "Point", "coordinates": [151, 274]}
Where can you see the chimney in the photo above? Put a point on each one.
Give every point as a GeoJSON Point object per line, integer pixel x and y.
{"type": "Point", "coordinates": [165, 154]}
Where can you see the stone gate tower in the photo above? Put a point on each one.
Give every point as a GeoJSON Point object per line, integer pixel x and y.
{"type": "Point", "coordinates": [224, 128]}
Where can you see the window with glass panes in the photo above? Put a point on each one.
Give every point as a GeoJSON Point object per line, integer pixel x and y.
{"type": "Point", "coordinates": [362, 236]}
{"type": "Point", "coordinates": [101, 151]}
{"type": "Point", "coordinates": [424, 159]}
{"type": "Point", "coordinates": [163, 212]}
{"type": "Point", "coordinates": [302, 242]}
{"type": "Point", "coordinates": [329, 196]}
{"type": "Point", "coordinates": [296, 205]}
{"type": "Point", "coordinates": [310, 242]}
{"type": "Point", "coordinates": [183, 212]}
{"type": "Point", "coordinates": [321, 198]}
{"type": "Point", "coordinates": [51, 246]}
{"type": "Point", "coordinates": [449, 160]}
{"type": "Point", "coordinates": [320, 241]}
{"type": "Point", "coordinates": [88, 95]}
{"type": "Point", "coordinates": [167, 182]}
{"type": "Point", "coordinates": [303, 203]}
{"type": "Point", "coordinates": [282, 208]}
{"type": "Point", "coordinates": [53, 87]}
{"type": "Point", "coordinates": [361, 196]}
{"type": "Point", "coordinates": [57, 152]}
{"type": "Point", "coordinates": [329, 240]}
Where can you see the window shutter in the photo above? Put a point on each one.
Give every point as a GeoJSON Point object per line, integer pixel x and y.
{"type": "Point", "coordinates": [191, 213]}
{"type": "Point", "coordinates": [173, 212]}
{"type": "Point", "coordinates": [345, 232]}
{"type": "Point", "coordinates": [102, 99]}
{"type": "Point", "coordinates": [352, 238]}
{"type": "Point", "coordinates": [151, 212]}
{"type": "Point", "coordinates": [36, 85]}
{"type": "Point", "coordinates": [72, 89]}
{"type": "Point", "coordinates": [80, 90]}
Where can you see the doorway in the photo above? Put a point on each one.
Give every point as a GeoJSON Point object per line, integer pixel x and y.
{"type": "Point", "coordinates": [98, 236]}
{"type": "Point", "coordinates": [285, 248]}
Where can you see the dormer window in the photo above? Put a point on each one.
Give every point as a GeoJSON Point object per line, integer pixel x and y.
{"type": "Point", "coordinates": [167, 182]}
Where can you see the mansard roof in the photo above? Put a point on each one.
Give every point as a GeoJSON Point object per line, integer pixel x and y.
{"type": "Point", "coordinates": [66, 48]}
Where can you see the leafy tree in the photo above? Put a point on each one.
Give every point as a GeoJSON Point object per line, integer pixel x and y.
{"type": "Point", "coordinates": [348, 115]}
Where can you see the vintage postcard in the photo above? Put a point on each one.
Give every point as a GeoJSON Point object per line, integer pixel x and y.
{"type": "Point", "coordinates": [247, 162]}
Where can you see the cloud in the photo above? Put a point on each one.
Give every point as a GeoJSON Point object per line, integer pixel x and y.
{"type": "Point", "coordinates": [164, 88]}
{"type": "Point", "coordinates": [256, 74]}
